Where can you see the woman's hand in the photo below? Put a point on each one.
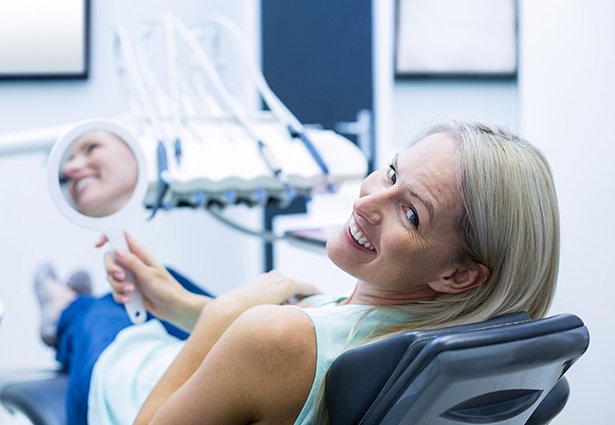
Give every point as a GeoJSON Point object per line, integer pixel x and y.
{"type": "Point", "coordinates": [162, 294]}
{"type": "Point", "coordinates": [268, 288]}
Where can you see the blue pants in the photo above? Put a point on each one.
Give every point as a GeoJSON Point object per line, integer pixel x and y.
{"type": "Point", "coordinates": [86, 328]}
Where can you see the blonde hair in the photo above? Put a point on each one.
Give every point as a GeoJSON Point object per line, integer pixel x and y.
{"type": "Point", "coordinates": [509, 222]}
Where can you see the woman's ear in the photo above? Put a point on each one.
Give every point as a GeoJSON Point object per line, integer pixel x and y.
{"type": "Point", "coordinates": [461, 279]}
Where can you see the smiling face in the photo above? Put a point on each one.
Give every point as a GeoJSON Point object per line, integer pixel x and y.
{"type": "Point", "coordinates": [401, 236]}
{"type": "Point", "coordinates": [101, 172]}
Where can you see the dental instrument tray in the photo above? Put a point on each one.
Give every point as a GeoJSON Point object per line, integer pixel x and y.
{"type": "Point", "coordinates": [220, 164]}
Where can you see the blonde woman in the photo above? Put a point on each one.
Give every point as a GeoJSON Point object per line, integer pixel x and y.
{"type": "Point", "coordinates": [460, 227]}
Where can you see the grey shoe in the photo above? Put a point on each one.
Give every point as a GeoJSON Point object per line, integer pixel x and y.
{"type": "Point", "coordinates": [80, 282]}
{"type": "Point", "coordinates": [45, 275]}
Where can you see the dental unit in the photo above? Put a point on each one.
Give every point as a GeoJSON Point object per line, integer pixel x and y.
{"type": "Point", "coordinates": [204, 148]}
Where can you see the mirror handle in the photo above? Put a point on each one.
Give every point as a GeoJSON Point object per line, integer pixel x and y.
{"type": "Point", "coordinates": [135, 308]}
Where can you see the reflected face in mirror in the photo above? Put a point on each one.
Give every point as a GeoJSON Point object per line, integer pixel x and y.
{"type": "Point", "coordinates": [99, 174]}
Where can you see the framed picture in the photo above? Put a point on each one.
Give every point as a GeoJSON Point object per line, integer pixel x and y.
{"type": "Point", "coordinates": [42, 39]}
{"type": "Point", "coordinates": [456, 38]}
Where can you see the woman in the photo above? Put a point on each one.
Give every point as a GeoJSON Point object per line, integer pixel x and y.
{"type": "Point", "coordinates": [461, 227]}
{"type": "Point", "coordinates": [101, 172]}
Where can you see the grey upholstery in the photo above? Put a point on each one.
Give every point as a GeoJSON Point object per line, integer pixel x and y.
{"type": "Point", "coordinates": [494, 374]}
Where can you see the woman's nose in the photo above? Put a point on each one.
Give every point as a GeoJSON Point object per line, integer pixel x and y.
{"type": "Point", "coordinates": [72, 167]}
{"type": "Point", "coordinates": [370, 205]}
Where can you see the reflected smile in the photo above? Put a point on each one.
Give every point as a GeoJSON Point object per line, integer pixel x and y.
{"type": "Point", "coordinates": [358, 236]}
{"type": "Point", "coordinates": [83, 183]}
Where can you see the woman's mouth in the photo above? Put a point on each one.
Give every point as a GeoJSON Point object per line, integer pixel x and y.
{"type": "Point", "coordinates": [83, 183]}
{"type": "Point", "coordinates": [358, 236]}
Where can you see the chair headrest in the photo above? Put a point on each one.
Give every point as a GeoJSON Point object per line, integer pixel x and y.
{"type": "Point", "coordinates": [357, 376]}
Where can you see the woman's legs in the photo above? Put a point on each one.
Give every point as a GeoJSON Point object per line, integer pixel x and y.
{"type": "Point", "coordinates": [86, 327]}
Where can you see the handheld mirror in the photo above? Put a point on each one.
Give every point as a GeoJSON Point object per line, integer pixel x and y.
{"type": "Point", "coordinates": [97, 178]}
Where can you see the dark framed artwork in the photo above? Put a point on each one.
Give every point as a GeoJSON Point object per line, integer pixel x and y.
{"type": "Point", "coordinates": [43, 39]}
{"type": "Point", "coordinates": [456, 38]}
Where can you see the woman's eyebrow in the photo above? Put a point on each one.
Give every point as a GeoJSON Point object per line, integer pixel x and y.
{"type": "Point", "coordinates": [426, 203]}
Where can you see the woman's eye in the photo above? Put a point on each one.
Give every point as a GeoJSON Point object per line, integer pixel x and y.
{"type": "Point", "coordinates": [392, 174]}
{"type": "Point", "coordinates": [91, 147]}
{"type": "Point", "coordinates": [412, 216]}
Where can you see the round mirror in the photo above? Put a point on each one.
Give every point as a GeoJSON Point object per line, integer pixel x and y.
{"type": "Point", "coordinates": [97, 178]}
{"type": "Point", "coordinates": [98, 173]}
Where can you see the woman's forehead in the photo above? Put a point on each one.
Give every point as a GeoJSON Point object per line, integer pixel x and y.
{"type": "Point", "coordinates": [99, 136]}
{"type": "Point", "coordinates": [436, 150]}
{"type": "Point", "coordinates": [429, 167]}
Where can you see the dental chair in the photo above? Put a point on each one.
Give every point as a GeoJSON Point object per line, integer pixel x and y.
{"type": "Point", "coordinates": [508, 370]}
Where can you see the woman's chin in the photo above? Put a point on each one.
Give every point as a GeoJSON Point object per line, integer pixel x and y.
{"type": "Point", "coordinates": [94, 209]}
{"type": "Point", "coordinates": [337, 251]}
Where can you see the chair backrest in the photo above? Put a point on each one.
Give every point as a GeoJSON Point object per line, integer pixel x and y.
{"type": "Point", "coordinates": [496, 373]}
{"type": "Point", "coordinates": [357, 377]}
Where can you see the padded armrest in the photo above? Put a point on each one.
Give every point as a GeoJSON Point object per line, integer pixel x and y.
{"type": "Point", "coordinates": [42, 401]}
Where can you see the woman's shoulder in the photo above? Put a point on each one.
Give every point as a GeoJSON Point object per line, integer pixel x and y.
{"type": "Point", "coordinates": [272, 325]}
{"type": "Point", "coordinates": [268, 345]}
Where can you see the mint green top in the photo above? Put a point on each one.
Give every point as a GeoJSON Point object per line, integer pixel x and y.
{"type": "Point", "coordinates": [127, 371]}
{"type": "Point", "coordinates": [338, 328]}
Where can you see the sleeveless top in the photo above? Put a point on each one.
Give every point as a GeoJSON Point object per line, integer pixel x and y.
{"type": "Point", "coordinates": [127, 371]}
{"type": "Point", "coordinates": [339, 328]}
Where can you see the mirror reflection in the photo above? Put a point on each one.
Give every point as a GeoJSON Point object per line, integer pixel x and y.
{"type": "Point", "coordinates": [98, 173]}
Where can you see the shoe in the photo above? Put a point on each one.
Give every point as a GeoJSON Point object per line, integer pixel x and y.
{"type": "Point", "coordinates": [43, 277]}
{"type": "Point", "coordinates": [80, 282]}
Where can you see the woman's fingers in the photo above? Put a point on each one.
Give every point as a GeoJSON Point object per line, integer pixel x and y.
{"type": "Point", "coordinates": [116, 276]}
{"type": "Point", "coordinates": [295, 287]}
{"type": "Point", "coordinates": [131, 262]}
{"type": "Point", "coordinates": [120, 290]}
{"type": "Point", "coordinates": [304, 289]}
{"type": "Point", "coordinates": [140, 252]}
{"type": "Point", "coordinates": [101, 241]}
{"type": "Point", "coordinates": [113, 269]}
{"type": "Point", "coordinates": [134, 247]}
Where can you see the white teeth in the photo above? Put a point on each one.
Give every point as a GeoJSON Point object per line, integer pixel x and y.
{"type": "Point", "coordinates": [81, 184]}
{"type": "Point", "coordinates": [358, 236]}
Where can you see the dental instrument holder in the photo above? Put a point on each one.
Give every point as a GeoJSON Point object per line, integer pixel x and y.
{"type": "Point", "coordinates": [112, 225]}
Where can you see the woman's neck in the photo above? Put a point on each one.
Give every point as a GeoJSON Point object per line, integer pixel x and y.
{"type": "Point", "coordinates": [367, 294]}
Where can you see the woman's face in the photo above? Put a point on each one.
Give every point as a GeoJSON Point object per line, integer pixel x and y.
{"type": "Point", "coordinates": [101, 173]}
{"type": "Point", "coordinates": [401, 234]}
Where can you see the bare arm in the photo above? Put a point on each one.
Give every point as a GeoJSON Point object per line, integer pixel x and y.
{"type": "Point", "coordinates": [168, 300]}
{"type": "Point", "coordinates": [259, 371]}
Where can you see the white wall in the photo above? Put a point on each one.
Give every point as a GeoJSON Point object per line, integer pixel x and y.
{"type": "Point", "coordinates": [420, 103]}
{"type": "Point", "coordinates": [32, 231]}
{"type": "Point", "coordinates": [567, 87]}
